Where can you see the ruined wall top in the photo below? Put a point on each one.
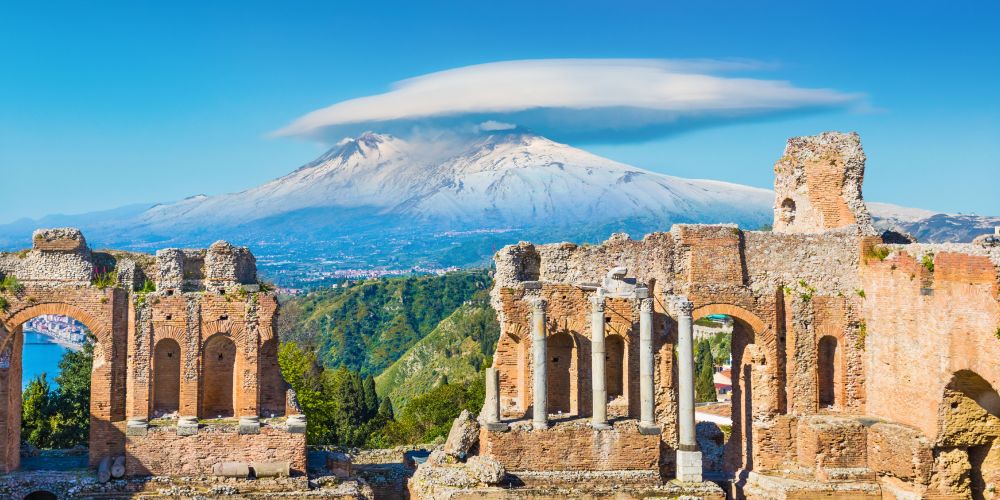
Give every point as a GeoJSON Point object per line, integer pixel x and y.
{"type": "Point", "coordinates": [817, 185]}
{"type": "Point", "coordinates": [60, 256]}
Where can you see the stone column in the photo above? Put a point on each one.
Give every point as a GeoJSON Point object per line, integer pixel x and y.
{"type": "Point", "coordinates": [491, 407]}
{"type": "Point", "coordinates": [647, 418]}
{"type": "Point", "coordinates": [539, 414]}
{"type": "Point", "coordinates": [688, 455]}
{"type": "Point", "coordinates": [597, 357]}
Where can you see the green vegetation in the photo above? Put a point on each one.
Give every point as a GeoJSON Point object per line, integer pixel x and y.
{"type": "Point", "coordinates": [4, 304]}
{"type": "Point", "coordinates": [59, 418]}
{"type": "Point", "coordinates": [708, 323]}
{"type": "Point", "coordinates": [9, 284]}
{"type": "Point", "coordinates": [367, 326]}
{"type": "Point", "coordinates": [104, 278]}
{"type": "Point", "coordinates": [342, 407]}
{"type": "Point", "coordinates": [457, 349]}
{"type": "Point", "coordinates": [860, 292]}
{"type": "Point", "coordinates": [997, 333]}
{"type": "Point", "coordinates": [147, 287]}
{"type": "Point", "coordinates": [862, 335]}
{"type": "Point", "coordinates": [928, 262]}
{"type": "Point", "coordinates": [877, 252]}
{"type": "Point", "coordinates": [704, 368]}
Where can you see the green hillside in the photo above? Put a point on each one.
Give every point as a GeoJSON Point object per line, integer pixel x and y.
{"type": "Point", "coordinates": [455, 352]}
{"type": "Point", "coordinates": [367, 326]}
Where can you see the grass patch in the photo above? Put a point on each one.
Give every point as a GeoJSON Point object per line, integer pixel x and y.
{"type": "Point", "coordinates": [928, 262]}
{"type": "Point", "coordinates": [877, 252]}
{"type": "Point", "coordinates": [10, 284]}
{"type": "Point", "coordinates": [862, 335]}
{"type": "Point", "coordinates": [104, 278]}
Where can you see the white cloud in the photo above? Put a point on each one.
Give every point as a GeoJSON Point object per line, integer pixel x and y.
{"type": "Point", "coordinates": [587, 99]}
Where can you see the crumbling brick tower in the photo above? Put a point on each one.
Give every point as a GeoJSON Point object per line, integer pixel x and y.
{"type": "Point", "coordinates": [185, 370]}
{"type": "Point", "coordinates": [817, 185]}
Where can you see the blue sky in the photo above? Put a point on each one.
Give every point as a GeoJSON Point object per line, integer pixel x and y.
{"type": "Point", "coordinates": [109, 103]}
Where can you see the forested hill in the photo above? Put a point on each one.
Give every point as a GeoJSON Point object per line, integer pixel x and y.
{"type": "Point", "coordinates": [369, 325]}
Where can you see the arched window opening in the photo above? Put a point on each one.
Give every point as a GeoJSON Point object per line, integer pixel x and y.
{"type": "Point", "coordinates": [788, 211]}
{"type": "Point", "coordinates": [166, 378]}
{"type": "Point", "coordinates": [218, 370]}
{"type": "Point", "coordinates": [560, 372]}
{"type": "Point", "coordinates": [41, 495]}
{"type": "Point", "coordinates": [828, 366]}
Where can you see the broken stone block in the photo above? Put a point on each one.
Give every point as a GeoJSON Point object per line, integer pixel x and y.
{"type": "Point", "coordinates": [463, 436]}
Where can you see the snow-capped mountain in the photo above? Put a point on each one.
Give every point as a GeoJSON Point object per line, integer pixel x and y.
{"type": "Point", "coordinates": [378, 201]}
{"type": "Point", "coordinates": [506, 179]}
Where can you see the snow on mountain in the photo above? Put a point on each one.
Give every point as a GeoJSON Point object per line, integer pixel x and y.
{"type": "Point", "coordinates": [511, 178]}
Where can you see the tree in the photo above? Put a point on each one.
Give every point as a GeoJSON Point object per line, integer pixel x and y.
{"type": "Point", "coordinates": [704, 386]}
{"type": "Point", "coordinates": [371, 398]}
{"type": "Point", "coordinates": [36, 409]}
{"type": "Point", "coordinates": [70, 421]}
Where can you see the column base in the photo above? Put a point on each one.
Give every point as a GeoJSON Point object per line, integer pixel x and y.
{"type": "Point", "coordinates": [689, 466]}
{"type": "Point", "coordinates": [600, 426]}
{"type": "Point", "coordinates": [136, 426]}
{"type": "Point", "coordinates": [496, 426]}
{"type": "Point", "coordinates": [539, 426]}
{"type": "Point", "coordinates": [250, 425]}
{"type": "Point", "coordinates": [187, 426]}
{"type": "Point", "coordinates": [649, 430]}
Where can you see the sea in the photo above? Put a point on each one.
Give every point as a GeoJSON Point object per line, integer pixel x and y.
{"type": "Point", "coordinates": [41, 355]}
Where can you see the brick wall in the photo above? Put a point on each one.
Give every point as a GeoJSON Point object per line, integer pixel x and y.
{"type": "Point", "coordinates": [162, 452]}
{"type": "Point", "coordinates": [573, 447]}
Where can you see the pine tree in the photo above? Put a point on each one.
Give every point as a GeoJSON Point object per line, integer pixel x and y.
{"type": "Point", "coordinates": [385, 411]}
{"type": "Point", "coordinates": [35, 412]}
{"type": "Point", "coordinates": [704, 386]}
{"type": "Point", "coordinates": [371, 398]}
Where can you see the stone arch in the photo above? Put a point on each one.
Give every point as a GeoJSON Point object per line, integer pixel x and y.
{"type": "Point", "coordinates": [829, 372]}
{"type": "Point", "coordinates": [749, 332]}
{"type": "Point", "coordinates": [968, 438]}
{"type": "Point", "coordinates": [107, 375]}
{"type": "Point", "coordinates": [166, 371]}
{"type": "Point", "coordinates": [218, 376]}
{"type": "Point", "coordinates": [41, 495]}
{"type": "Point", "coordinates": [561, 383]}
{"type": "Point", "coordinates": [100, 329]}
{"type": "Point", "coordinates": [234, 329]}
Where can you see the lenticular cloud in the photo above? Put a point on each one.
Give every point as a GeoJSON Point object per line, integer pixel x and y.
{"type": "Point", "coordinates": [598, 100]}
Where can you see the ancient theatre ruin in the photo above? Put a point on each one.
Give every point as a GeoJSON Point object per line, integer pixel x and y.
{"type": "Point", "coordinates": [185, 372]}
{"type": "Point", "coordinates": [864, 365]}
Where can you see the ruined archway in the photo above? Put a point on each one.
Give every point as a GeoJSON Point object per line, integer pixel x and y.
{"type": "Point", "coordinates": [735, 451]}
{"type": "Point", "coordinates": [218, 376]}
{"type": "Point", "coordinates": [166, 377]}
{"type": "Point", "coordinates": [105, 378]}
{"type": "Point", "coordinates": [967, 448]}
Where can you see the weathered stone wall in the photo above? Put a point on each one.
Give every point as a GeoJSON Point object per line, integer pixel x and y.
{"type": "Point", "coordinates": [573, 446]}
{"type": "Point", "coordinates": [56, 277]}
{"type": "Point", "coordinates": [162, 451]}
{"type": "Point", "coordinates": [923, 326]}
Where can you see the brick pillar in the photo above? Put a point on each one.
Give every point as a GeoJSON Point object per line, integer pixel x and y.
{"type": "Point", "coordinates": [10, 403]}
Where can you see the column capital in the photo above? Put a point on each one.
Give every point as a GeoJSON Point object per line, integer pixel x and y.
{"type": "Point", "coordinates": [646, 305]}
{"type": "Point", "coordinates": [597, 302]}
{"type": "Point", "coordinates": [538, 304]}
{"type": "Point", "coordinates": [680, 304]}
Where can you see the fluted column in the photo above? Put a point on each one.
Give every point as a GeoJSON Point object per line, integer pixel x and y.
{"type": "Point", "coordinates": [647, 418]}
{"type": "Point", "coordinates": [688, 456]}
{"type": "Point", "coordinates": [540, 415]}
{"type": "Point", "coordinates": [597, 356]}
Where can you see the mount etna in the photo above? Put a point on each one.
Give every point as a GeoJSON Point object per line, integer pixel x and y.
{"type": "Point", "coordinates": [388, 204]}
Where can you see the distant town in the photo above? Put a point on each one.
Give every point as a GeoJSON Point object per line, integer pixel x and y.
{"type": "Point", "coordinates": [62, 329]}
